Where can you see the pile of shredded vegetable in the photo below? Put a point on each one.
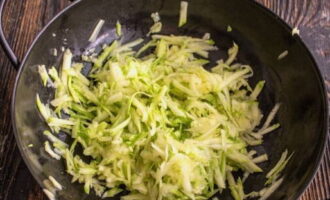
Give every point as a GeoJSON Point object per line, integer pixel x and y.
{"type": "Point", "coordinates": [154, 122]}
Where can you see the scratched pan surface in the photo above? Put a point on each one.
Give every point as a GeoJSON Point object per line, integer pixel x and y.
{"type": "Point", "coordinates": [294, 81]}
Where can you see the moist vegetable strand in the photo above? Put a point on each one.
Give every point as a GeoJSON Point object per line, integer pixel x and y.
{"type": "Point", "coordinates": [158, 123]}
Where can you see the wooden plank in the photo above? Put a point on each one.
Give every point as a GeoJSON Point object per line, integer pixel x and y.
{"type": "Point", "coordinates": [24, 18]}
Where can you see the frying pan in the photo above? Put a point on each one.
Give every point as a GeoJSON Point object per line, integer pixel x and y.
{"type": "Point", "coordinates": [295, 80]}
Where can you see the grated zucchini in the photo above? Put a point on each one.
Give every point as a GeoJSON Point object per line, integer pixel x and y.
{"type": "Point", "coordinates": [159, 124]}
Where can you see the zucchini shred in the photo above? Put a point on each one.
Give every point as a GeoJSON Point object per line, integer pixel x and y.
{"type": "Point", "coordinates": [151, 120]}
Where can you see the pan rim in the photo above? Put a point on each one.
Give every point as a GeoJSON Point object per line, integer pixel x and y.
{"type": "Point", "coordinates": [321, 80]}
{"type": "Point", "coordinates": [13, 100]}
{"type": "Point", "coordinates": [262, 8]}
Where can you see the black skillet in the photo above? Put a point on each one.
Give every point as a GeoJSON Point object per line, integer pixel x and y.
{"type": "Point", "coordinates": [295, 81]}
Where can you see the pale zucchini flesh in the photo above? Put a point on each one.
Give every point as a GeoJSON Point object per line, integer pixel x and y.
{"type": "Point", "coordinates": [159, 124]}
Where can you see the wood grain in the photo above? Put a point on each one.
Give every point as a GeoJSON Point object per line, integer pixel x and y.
{"type": "Point", "coordinates": [24, 18]}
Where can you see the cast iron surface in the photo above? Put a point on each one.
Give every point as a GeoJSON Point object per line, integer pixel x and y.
{"type": "Point", "coordinates": [260, 49]}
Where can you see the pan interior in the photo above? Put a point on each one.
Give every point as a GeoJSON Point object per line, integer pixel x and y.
{"type": "Point", "coordinates": [293, 81]}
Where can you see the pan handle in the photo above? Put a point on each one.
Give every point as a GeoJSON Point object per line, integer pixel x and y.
{"type": "Point", "coordinates": [3, 41]}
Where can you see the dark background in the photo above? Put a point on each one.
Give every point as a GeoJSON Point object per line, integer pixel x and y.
{"type": "Point", "coordinates": [24, 18]}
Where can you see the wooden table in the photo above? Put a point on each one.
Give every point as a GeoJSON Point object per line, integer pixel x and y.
{"type": "Point", "coordinates": [24, 18]}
